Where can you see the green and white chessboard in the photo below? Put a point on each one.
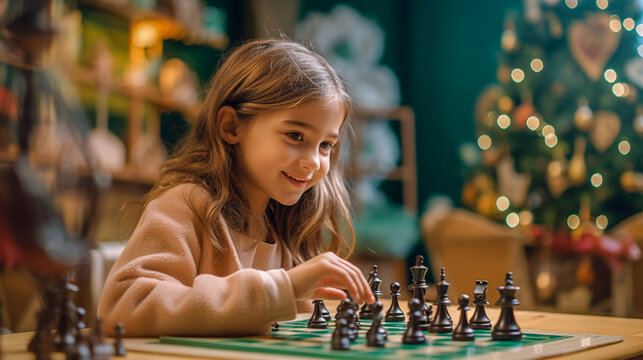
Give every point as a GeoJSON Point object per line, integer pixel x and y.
{"type": "Point", "coordinates": [295, 339]}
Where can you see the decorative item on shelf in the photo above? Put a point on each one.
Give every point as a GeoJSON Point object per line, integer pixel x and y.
{"type": "Point", "coordinates": [178, 82]}
{"type": "Point", "coordinates": [592, 43]}
{"type": "Point", "coordinates": [105, 148]}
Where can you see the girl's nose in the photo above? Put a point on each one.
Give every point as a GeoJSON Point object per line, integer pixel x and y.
{"type": "Point", "coordinates": [310, 160]}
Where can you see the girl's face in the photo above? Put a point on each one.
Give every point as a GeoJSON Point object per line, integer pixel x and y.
{"type": "Point", "coordinates": [283, 153]}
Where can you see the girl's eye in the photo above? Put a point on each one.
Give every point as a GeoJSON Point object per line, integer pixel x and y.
{"type": "Point", "coordinates": [295, 136]}
{"type": "Point", "coordinates": [326, 145]}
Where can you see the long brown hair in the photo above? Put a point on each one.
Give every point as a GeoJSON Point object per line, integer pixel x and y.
{"type": "Point", "coordinates": [259, 76]}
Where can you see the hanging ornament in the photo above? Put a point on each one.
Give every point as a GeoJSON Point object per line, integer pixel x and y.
{"type": "Point", "coordinates": [503, 74]}
{"type": "Point", "coordinates": [510, 183]}
{"type": "Point", "coordinates": [509, 39]}
{"type": "Point", "coordinates": [638, 120]}
{"type": "Point", "coordinates": [523, 111]}
{"type": "Point", "coordinates": [486, 204]}
{"type": "Point", "coordinates": [592, 43]}
{"type": "Point", "coordinates": [583, 116]}
{"type": "Point", "coordinates": [505, 104]}
{"type": "Point", "coordinates": [555, 28]}
{"type": "Point", "coordinates": [486, 101]}
{"type": "Point", "coordinates": [557, 89]}
{"type": "Point", "coordinates": [632, 181]}
{"type": "Point", "coordinates": [533, 11]}
{"type": "Point", "coordinates": [490, 156]}
{"type": "Point", "coordinates": [557, 181]}
{"type": "Point", "coordinates": [605, 129]}
{"type": "Point", "coordinates": [577, 170]}
{"type": "Point", "coordinates": [634, 71]}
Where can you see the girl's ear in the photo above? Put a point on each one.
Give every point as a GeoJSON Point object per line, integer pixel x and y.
{"type": "Point", "coordinates": [229, 124]}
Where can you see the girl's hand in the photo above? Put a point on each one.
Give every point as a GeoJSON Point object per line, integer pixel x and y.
{"type": "Point", "coordinates": [325, 276]}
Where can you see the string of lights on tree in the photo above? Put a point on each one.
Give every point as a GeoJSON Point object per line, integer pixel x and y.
{"type": "Point", "coordinates": [560, 135]}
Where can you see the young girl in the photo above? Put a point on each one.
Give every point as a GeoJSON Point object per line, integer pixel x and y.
{"type": "Point", "coordinates": [253, 191]}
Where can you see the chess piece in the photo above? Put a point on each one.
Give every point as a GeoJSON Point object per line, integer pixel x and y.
{"type": "Point", "coordinates": [42, 343]}
{"type": "Point", "coordinates": [119, 348]}
{"type": "Point", "coordinates": [479, 319]}
{"type": "Point", "coordinates": [339, 339]}
{"type": "Point", "coordinates": [65, 337]}
{"type": "Point", "coordinates": [275, 327]}
{"type": "Point", "coordinates": [376, 334]}
{"type": "Point", "coordinates": [349, 315]}
{"type": "Point", "coordinates": [418, 289]}
{"type": "Point", "coordinates": [507, 328]}
{"type": "Point", "coordinates": [413, 333]}
{"type": "Point", "coordinates": [463, 332]}
{"type": "Point", "coordinates": [324, 311]}
{"type": "Point", "coordinates": [374, 282]}
{"type": "Point", "coordinates": [100, 349]}
{"type": "Point", "coordinates": [80, 318]}
{"type": "Point", "coordinates": [317, 320]}
{"type": "Point", "coordinates": [442, 322]}
{"type": "Point", "coordinates": [395, 313]}
{"type": "Point", "coordinates": [83, 349]}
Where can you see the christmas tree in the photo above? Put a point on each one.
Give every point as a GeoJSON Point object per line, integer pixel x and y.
{"type": "Point", "coordinates": [560, 135]}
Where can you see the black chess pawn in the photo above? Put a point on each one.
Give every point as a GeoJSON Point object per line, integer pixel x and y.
{"type": "Point", "coordinates": [119, 348]}
{"type": "Point", "coordinates": [65, 337]}
{"type": "Point", "coordinates": [317, 320]}
{"type": "Point", "coordinates": [83, 349]}
{"type": "Point", "coordinates": [324, 311]}
{"type": "Point", "coordinates": [395, 313]}
{"type": "Point", "coordinates": [463, 332]}
{"type": "Point", "coordinates": [80, 318]}
{"type": "Point", "coordinates": [507, 328]}
{"type": "Point", "coordinates": [339, 339]}
{"type": "Point", "coordinates": [42, 343]}
{"type": "Point", "coordinates": [479, 319]}
{"type": "Point", "coordinates": [413, 333]}
{"type": "Point", "coordinates": [418, 288]}
{"type": "Point", "coordinates": [100, 349]}
{"type": "Point", "coordinates": [349, 315]}
{"type": "Point", "coordinates": [442, 322]}
{"type": "Point", "coordinates": [376, 334]}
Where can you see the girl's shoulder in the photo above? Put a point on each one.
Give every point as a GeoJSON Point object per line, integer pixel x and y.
{"type": "Point", "coordinates": [188, 196]}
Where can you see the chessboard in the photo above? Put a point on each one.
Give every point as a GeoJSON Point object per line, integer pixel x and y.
{"type": "Point", "coordinates": [295, 339]}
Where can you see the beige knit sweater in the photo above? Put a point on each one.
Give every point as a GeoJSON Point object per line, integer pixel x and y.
{"type": "Point", "coordinates": [170, 281]}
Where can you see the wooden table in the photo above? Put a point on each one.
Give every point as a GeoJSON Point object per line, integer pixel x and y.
{"type": "Point", "coordinates": [14, 345]}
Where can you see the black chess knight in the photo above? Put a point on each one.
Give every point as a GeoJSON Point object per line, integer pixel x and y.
{"type": "Point", "coordinates": [479, 319]}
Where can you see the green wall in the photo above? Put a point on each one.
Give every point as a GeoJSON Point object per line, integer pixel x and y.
{"type": "Point", "coordinates": [444, 53]}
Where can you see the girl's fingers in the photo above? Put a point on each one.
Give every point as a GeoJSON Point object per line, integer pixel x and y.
{"type": "Point", "coordinates": [329, 293]}
{"type": "Point", "coordinates": [365, 294]}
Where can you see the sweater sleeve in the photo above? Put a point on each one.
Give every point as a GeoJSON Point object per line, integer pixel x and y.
{"type": "Point", "coordinates": [154, 287]}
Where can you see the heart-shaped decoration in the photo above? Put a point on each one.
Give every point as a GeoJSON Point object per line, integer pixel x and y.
{"type": "Point", "coordinates": [592, 43]}
{"type": "Point", "coordinates": [634, 71]}
{"type": "Point", "coordinates": [605, 129]}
